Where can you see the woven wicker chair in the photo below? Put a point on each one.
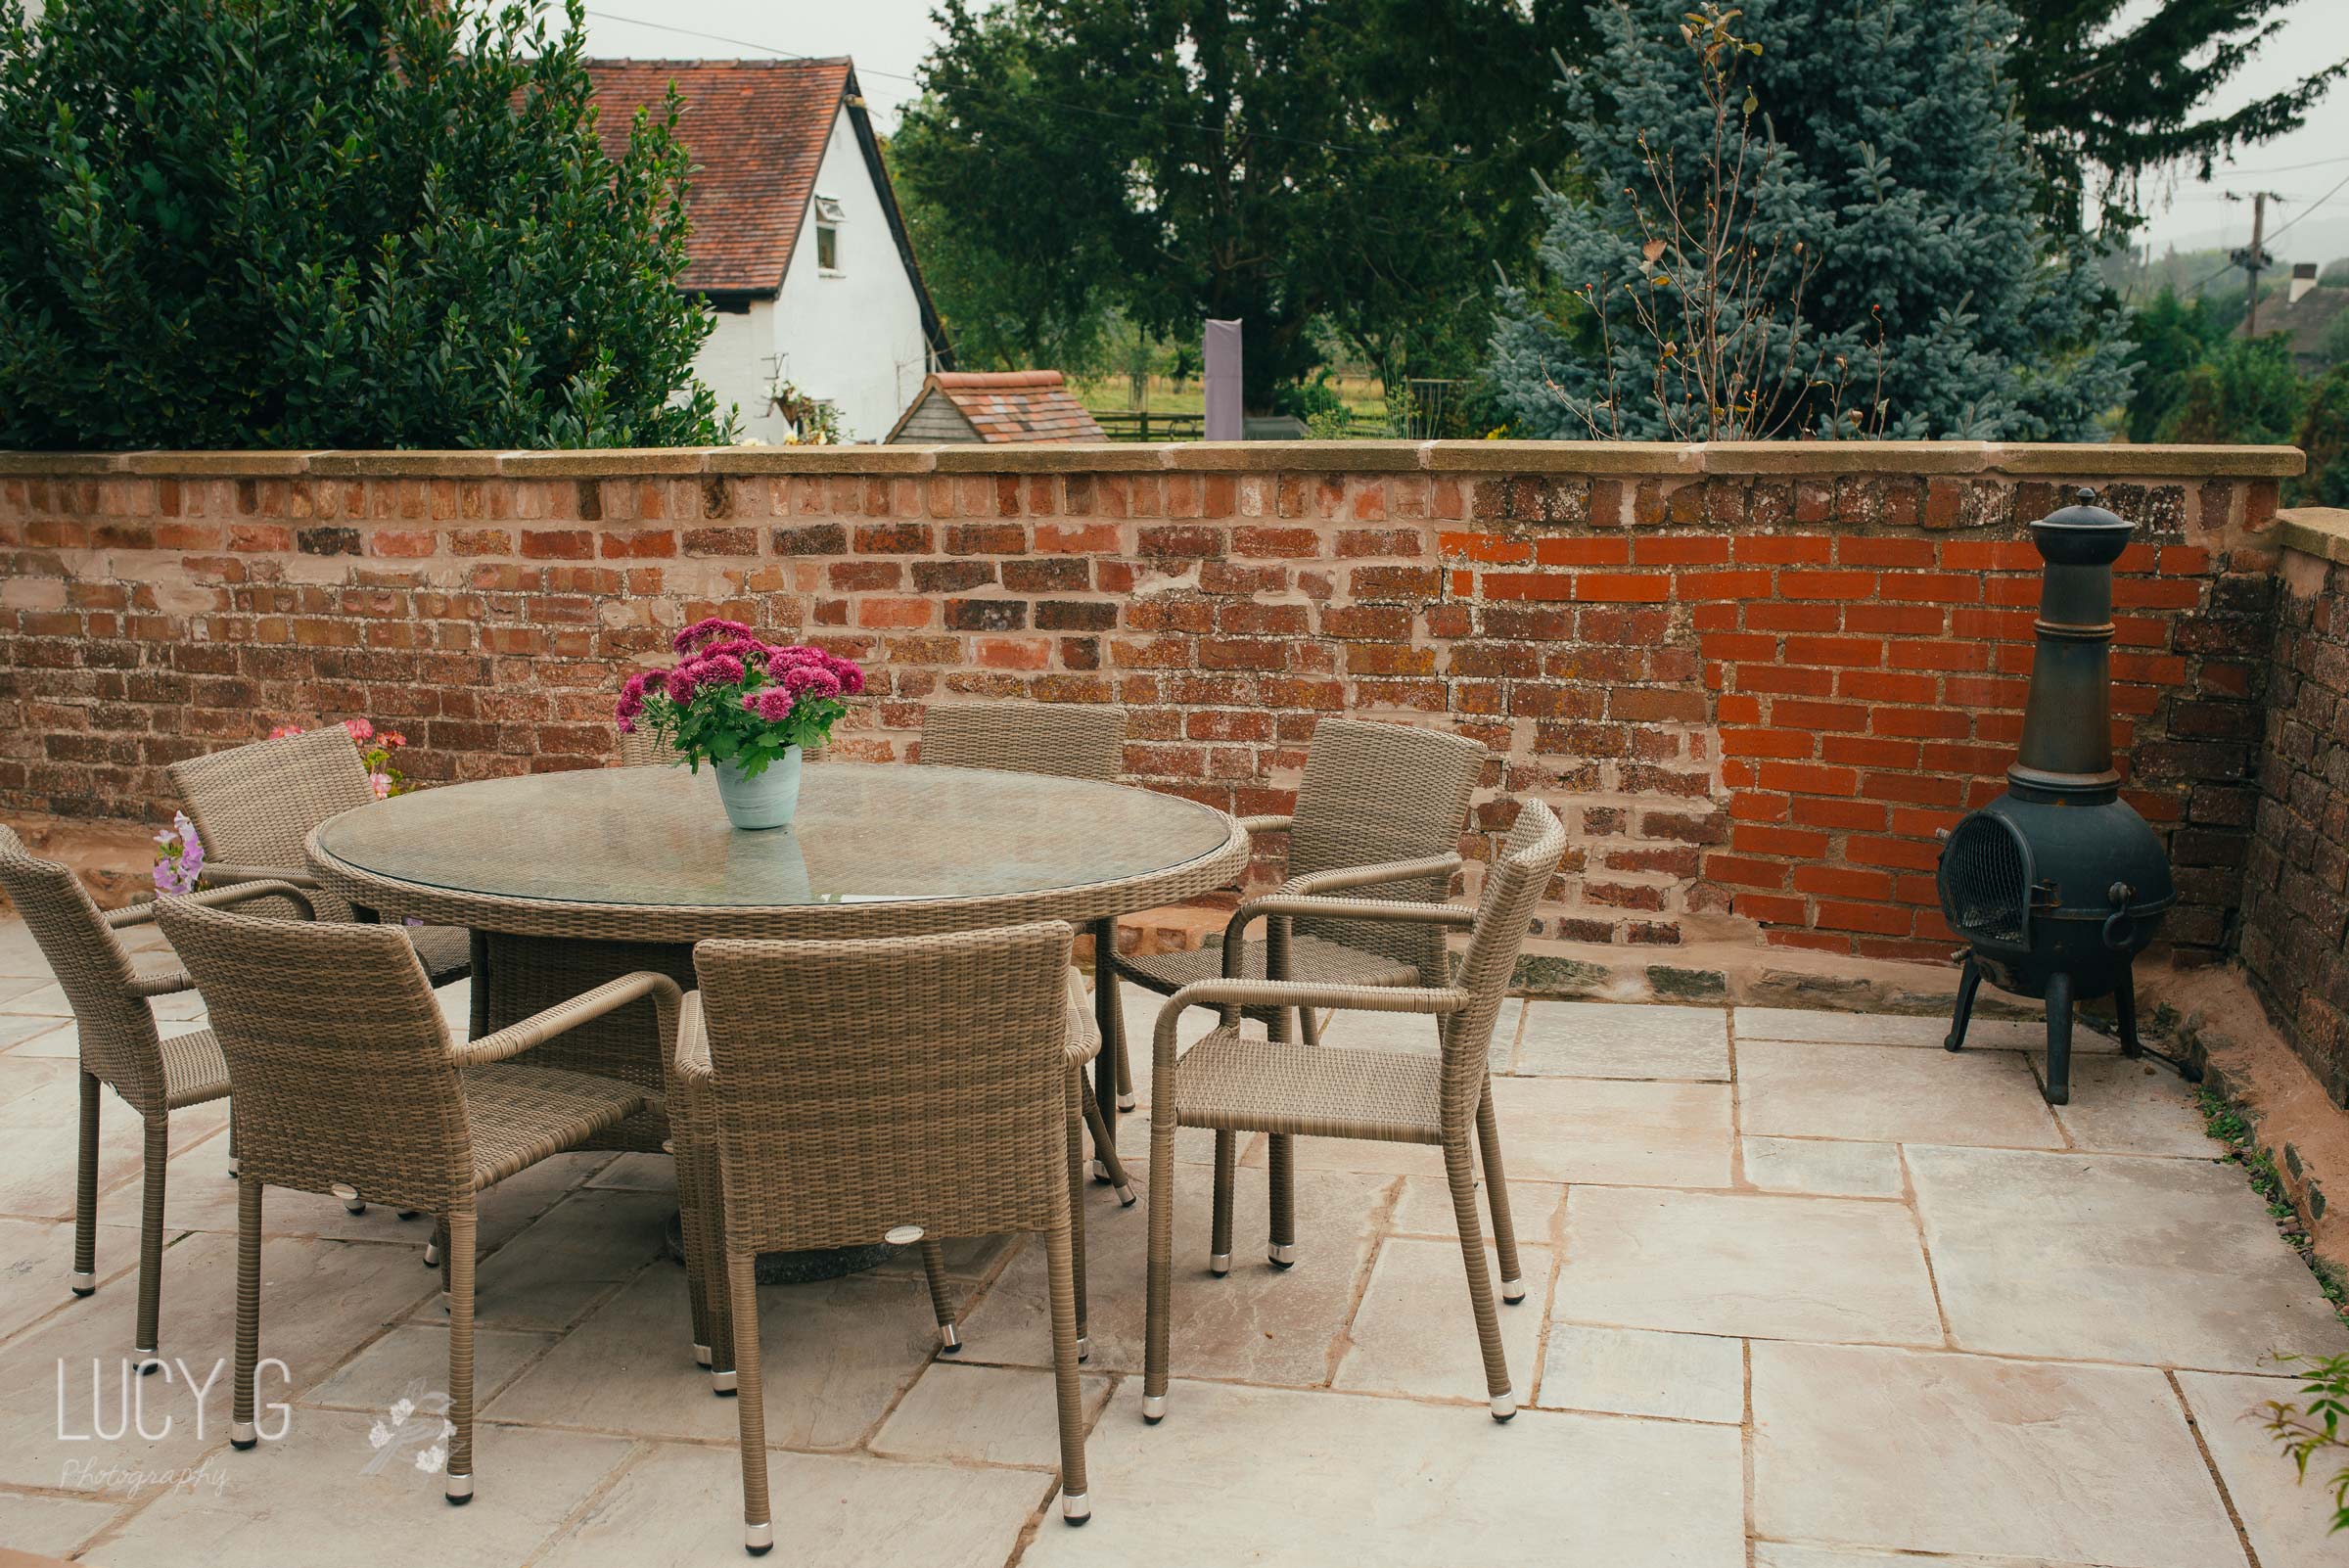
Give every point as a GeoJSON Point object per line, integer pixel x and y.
{"type": "Point", "coordinates": [1066, 741]}
{"type": "Point", "coordinates": [121, 1048]}
{"type": "Point", "coordinates": [1235, 1083]}
{"type": "Point", "coordinates": [912, 1091]}
{"type": "Point", "coordinates": [641, 748]}
{"type": "Point", "coordinates": [1380, 806]}
{"type": "Point", "coordinates": [253, 805]}
{"type": "Point", "coordinates": [344, 1082]}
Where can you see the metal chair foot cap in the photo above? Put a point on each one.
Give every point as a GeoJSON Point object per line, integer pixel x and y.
{"type": "Point", "coordinates": [232, 1168]}
{"type": "Point", "coordinates": [1085, 1347]}
{"type": "Point", "coordinates": [1099, 1171]}
{"type": "Point", "coordinates": [721, 1383]}
{"type": "Point", "coordinates": [1505, 1405]}
{"type": "Point", "coordinates": [701, 1356]}
{"type": "Point", "coordinates": [1219, 1263]}
{"type": "Point", "coordinates": [1127, 1102]}
{"type": "Point", "coordinates": [356, 1205]}
{"type": "Point", "coordinates": [83, 1284]}
{"type": "Point", "coordinates": [241, 1435]}
{"type": "Point", "coordinates": [1281, 1257]}
{"type": "Point", "coordinates": [407, 1214]}
{"type": "Point", "coordinates": [948, 1340]}
{"type": "Point", "coordinates": [1512, 1290]}
{"type": "Point", "coordinates": [1075, 1507]}
{"type": "Point", "coordinates": [432, 1256]}
{"type": "Point", "coordinates": [1127, 1196]}
{"type": "Point", "coordinates": [758, 1539]}
{"type": "Point", "coordinates": [148, 1363]}
{"type": "Point", "coordinates": [459, 1489]}
{"type": "Point", "coordinates": [1154, 1407]}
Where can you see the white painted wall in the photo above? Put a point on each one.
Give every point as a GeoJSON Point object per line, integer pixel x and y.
{"type": "Point", "coordinates": [854, 337]}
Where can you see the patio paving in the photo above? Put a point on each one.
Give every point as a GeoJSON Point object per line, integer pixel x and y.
{"type": "Point", "coordinates": [1804, 1293]}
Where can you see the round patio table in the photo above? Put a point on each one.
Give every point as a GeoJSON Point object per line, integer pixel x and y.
{"type": "Point", "coordinates": [570, 879]}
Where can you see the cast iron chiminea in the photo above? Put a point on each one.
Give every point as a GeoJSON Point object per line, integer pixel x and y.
{"type": "Point", "coordinates": [2057, 884]}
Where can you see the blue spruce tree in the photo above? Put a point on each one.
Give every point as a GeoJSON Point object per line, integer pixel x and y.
{"type": "Point", "coordinates": [1809, 216]}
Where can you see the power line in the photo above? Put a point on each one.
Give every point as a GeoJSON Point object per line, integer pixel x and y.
{"type": "Point", "coordinates": [2204, 283]}
{"type": "Point", "coordinates": [1066, 108]}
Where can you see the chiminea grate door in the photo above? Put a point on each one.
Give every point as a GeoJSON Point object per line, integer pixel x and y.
{"type": "Point", "coordinates": [1986, 881]}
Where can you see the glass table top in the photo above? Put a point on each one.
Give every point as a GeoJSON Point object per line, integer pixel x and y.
{"type": "Point", "coordinates": [864, 833]}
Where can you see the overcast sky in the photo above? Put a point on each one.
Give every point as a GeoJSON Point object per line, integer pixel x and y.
{"type": "Point", "coordinates": [889, 39]}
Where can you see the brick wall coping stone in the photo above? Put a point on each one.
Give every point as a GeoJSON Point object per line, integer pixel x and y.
{"type": "Point", "coordinates": [1601, 458]}
{"type": "Point", "coordinates": [2318, 531]}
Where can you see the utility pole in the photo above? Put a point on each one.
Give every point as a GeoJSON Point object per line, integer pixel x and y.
{"type": "Point", "coordinates": [2256, 260]}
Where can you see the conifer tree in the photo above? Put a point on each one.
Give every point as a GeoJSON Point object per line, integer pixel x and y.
{"type": "Point", "coordinates": [1807, 217]}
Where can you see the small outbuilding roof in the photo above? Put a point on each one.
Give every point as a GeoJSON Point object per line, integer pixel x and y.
{"type": "Point", "coordinates": [1015, 406]}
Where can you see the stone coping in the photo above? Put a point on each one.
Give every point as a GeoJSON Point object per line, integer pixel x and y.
{"type": "Point", "coordinates": [1596, 459]}
{"type": "Point", "coordinates": [2318, 531]}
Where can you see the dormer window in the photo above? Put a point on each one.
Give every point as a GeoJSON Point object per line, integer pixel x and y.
{"type": "Point", "coordinates": [828, 216]}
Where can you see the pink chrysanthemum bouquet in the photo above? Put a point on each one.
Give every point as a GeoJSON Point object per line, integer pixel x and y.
{"type": "Point", "coordinates": [734, 699]}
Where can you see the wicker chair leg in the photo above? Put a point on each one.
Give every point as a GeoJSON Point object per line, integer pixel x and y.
{"type": "Point", "coordinates": [1462, 1178]}
{"type": "Point", "coordinates": [723, 1378]}
{"type": "Point", "coordinates": [1110, 1166]}
{"type": "Point", "coordinates": [85, 1192]}
{"type": "Point", "coordinates": [757, 1522]}
{"type": "Point", "coordinates": [1497, 1199]}
{"type": "Point", "coordinates": [1105, 1079]}
{"type": "Point", "coordinates": [1280, 1163]}
{"type": "Point", "coordinates": [241, 1433]}
{"type": "Point", "coordinates": [1159, 1294]}
{"type": "Point", "coordinates": [1219, 1243]}
{"type": "Point", "coordinates": [1109, 1013]}
{"type": "Point", "coordinates": [151, 1241]}
{"type": "Point", "coordinates": [462, 1235]}
{"type": "Point", "coordinates": [941, 1298]}
{"type": "Point", "coordinates": [1064, 1270]}
{"type": "Point", "coordinates": [697, 1253]}
{"type": "Point", "coordinates": [1075, 1163]}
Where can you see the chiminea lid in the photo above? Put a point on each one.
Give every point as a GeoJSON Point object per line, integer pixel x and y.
{"type": "Point", "coordinates": [2083, 533]}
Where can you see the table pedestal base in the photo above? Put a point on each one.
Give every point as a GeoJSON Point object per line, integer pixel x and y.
{"type": "Point", "coordinates": [809, 1268]}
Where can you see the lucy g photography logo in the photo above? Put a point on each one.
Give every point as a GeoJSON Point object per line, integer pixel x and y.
{"type": "Point", "coordinates": [417, 1424]}
{"type": "Point", "coordinates": [125, 1407]}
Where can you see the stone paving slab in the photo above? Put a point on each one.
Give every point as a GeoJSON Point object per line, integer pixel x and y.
{"type": "Point", "coordinates": [2159, 1262]}
{"type": "Point", "coordinates": [1636, 1371]}
{"type": "Point", "coordinates": [1244, 1475]}
{"type": "Point", "coordinates": [1900, 1028]}
{"type": "Point", "coordinates": [1823, 1167]}
{"type": "Point", "coordinates": [983, 1415]}
{"type": "Point", "coordinates": [1615, 1040]}
{"type": "Point", "coordinates": [1415, 1330]}
{"type": "Point", "coordinates": [1891, 1095]}
{"type": "Point", "coordinates": [681, 1507]}
{"type": "Point", "coordinates": [2269, 1496]}
{"type": "Point", "coordinates": [280, 1501]}
{"type": "Point", "coordinates": [1910, 1450]}
{"type": "Point", "coordinates": [1753, 1265]}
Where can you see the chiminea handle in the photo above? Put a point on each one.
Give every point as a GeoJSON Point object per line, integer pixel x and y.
{"type": "Point", "coordinates": [2120, 893]}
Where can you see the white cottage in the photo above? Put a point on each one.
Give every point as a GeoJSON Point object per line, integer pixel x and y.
{"type": "Point", "coordinates": [797, 244]}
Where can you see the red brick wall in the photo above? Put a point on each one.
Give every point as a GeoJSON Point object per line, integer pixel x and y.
{"type": "Point", "coordinates": [1754, 679]}
{"type": "Point", "coordinates": [2295, 895]}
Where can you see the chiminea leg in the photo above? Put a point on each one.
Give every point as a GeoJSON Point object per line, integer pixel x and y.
{"type": "Point", "coordinates": [2124, 1003]}
{"type": "Point", "coordinates": [2059, 1040]}
{"type": "Point", "coordinates": [1969, 980]}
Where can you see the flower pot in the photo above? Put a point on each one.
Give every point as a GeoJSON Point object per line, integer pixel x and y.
{"type": "Point", "coordinates": [769, 801]}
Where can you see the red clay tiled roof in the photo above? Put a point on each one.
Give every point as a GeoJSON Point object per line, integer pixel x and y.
{"type": "Point", "coordinates": [1015, 406]}
{"type": "Point", "coordinates": [757, 130]}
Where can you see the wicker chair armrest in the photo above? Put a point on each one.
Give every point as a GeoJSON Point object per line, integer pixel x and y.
{"type": "Point", "coordinates": [1315, 882]}
{"type": "Point", "coordinates": [221, 874]}
{"type": "Point", "coordinates": [1435, 1001]}
{"type": "Point", "coordinates": [1266, 824]}
{"type": "Point", "coordinates": [1287, 906]}
{"type": "Point", "coordinates": [689, 1063]}
{"type": "Point", "coordinates": [1082, 1041]}
{"type": "Point", "coordinates": [138, 914]}
{"type": "Point", "coordinates": [540, 1028]}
